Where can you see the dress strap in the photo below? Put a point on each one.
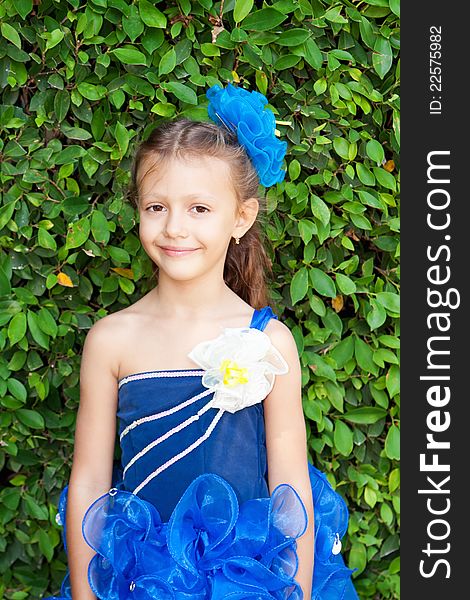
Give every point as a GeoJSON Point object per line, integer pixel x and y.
{"type": "Point", "coordinates": [261, 317]}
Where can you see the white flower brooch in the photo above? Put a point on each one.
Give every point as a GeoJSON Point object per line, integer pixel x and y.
{"type": "Point", "coordinates": [240, 367]}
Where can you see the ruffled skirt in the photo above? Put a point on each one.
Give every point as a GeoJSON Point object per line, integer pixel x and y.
{"type": "Point", "coordinates": [212, 547]}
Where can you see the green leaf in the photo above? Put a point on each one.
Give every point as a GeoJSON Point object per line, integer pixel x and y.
{"type": "Point", "coordinates": [341, 146]}
{"type": "Point", "coordinates": [17, 328]}
{"type": "Point", "coordinates": [10, 34]}
{"type": "Point", "coordinates": [375, 151]}
{"type": "Point", "coordinates": [319, 209]}
{"type": "Point", "coordinates": [23, 7]}
{"type": "Point", "coordinates": [343, 438]}
{"type": "Point", "coordinates": [181, 91]}
{"type": "Point", "coordinates": [394, 480]}
{"type": "Point", "coordinates": [69, 155]}
{"type": "Point", "coordinates": [389, 340]}
{"type": "Point", "coordinates": [293, 37]}
{"type": "Point", "coordinates": [333, 15]}
{"type": "Point", "coordinates": [242, 9]}
{"type": "Point", "coordinates": [99, 227]}
{"type": "Point", "coordinates": [167, 62]}
{"type": "Point", "coordinates": [382, 57]}
{"type": "Point", "coordinates": [357, 557]}
{"type": "Point", "coordinates": [367, 32]}
{"type": "Point", "coordinates": [322, 283]}
{"type": "Point", "coordinates": [395, 7]}
{"type": "Point", "coordinates": [132, 23]}
{"type": "Point", "coordinates": [61, 104]}
{"type": "Point", "coordinates": [45, 239]}
{"type": "Point", "coordinates": [320, 367]}
{"type": "Point", "coordinates": [376, 316]}
{"type": "Point", "coordinates": [78, 233]}
{"type": "Point", "coordinates": [294, 169]}
{"type": "Point", "coordinates": [17, 389]}
{"type": "Point", "coordinates": [286, 61]}
{"type": "Point", "coordinates": [364, 354]}
{"type": "Point", "coordinates": [152, 40]}
{"type": "Point", "coordinates": [392, 380]}
{"type": "Point", "coordinates": [314, 58]}
{"type": "Point", "coordinates": [370, 496]}
{"type": "Point", "coordinates": [365, 415]}
{"type": "Point", "coordinates": [343, 352]}
{"type": "Point", "coordinates": [320, 86]}
{"type": "Point", "coordinates": [47, 322]}
{"type": "Point", "coordinates": [122, 137]}
{"type": "Point", "coordinates": [129, 55]}
{"type": "Point", "coordinates": [386, 513]}
{"type": "Point", "coordinates": [76, 133]}
{"type": "Point", "coordinates": [98, 124]}
{"type": "Point", "coordinates": [345, 284]}
{"type": "Point", "coordinates": [387, 180]}
{"type": "Point", "coordinates": [299, 285]}
{"type": "Point", "coordinates": [361, 222]}
{"type": "Point", "coordinates": [264, 19]}
{"type": "Point", "coordinates": [307, 229]}
{"type": "Point", "coordinates": [34, 509]}
{"type": "Point", "coordinates": [30, 418]}
{"type": "Point", "coordinates": [390, 301]}
{"type": "Point", "coordinates": [151, 15]}
{"type": "Point", "coordinates": [392, 443]}
{"type": "Point", "coordinates": [91, 92]}
{"type": "Point", "coordinates": [365, 174]}
{"type": "Point", "coordinates": [55, 37]}
{"type": "Point", "coordinates": [45, 545]}
{"type": "Point", "coordinates": [209, 49]}
{"type": "Point", "coordinates": [37, 334]}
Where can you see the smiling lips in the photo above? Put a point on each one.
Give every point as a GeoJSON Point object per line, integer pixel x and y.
{"type": "Point", "coordinates": [175, 251]}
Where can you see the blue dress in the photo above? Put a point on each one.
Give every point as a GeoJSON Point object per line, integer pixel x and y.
{"type": "Point", "coordinates": [190, 515]}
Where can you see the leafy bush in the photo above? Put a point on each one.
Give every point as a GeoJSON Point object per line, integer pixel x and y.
{"type": "Point", "coordinates": [80, 83]}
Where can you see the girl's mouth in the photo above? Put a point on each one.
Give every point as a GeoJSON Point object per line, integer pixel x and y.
{"type": "Point", "coordinates": [175, 251]}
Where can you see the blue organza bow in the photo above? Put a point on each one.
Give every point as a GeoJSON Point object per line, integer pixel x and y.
{"type": "Point", "coordinates": [212, 547]}
{"type": "Point", "coordinates": [244, 113]}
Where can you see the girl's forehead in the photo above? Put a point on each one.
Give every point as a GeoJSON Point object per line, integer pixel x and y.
{"type": "Point", "coordinates": [207, 170]}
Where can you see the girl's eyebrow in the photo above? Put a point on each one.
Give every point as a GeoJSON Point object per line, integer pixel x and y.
{"type": "Point", "coordinates": [188, 196]}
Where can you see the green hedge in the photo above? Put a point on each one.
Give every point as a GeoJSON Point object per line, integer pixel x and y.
{"type": "Point", "coordinates": [81, 83]}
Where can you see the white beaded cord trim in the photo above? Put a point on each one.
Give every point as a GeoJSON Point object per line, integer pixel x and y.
{"type": "Point", "coordinates": [168, 434]}
{"type": "Point", "coordinates": [151, 374]}
{"type": "Point", "coordinates": [182, 454]}
{"type": "Point", "coordinates": [164, 413]}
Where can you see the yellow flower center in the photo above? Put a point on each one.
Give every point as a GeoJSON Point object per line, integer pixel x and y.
{"type": "Point", "coordinates": [233, 374]}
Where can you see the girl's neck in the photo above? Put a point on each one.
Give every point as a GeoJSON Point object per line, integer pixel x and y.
{"type": "Point", "coordinates": [203, 298]}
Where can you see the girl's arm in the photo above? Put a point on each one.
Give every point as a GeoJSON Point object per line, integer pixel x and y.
{"type": "Point", "coordinates": [286, 443]}
{"type": "Point", "coordinates": [95, 433]}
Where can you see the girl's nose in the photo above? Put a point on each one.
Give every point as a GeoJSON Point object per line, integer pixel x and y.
{"type": "Point", "coordinates": [175, 225]}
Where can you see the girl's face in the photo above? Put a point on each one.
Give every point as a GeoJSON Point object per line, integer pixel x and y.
{"type": "Point", "coordinates": [188, 214]}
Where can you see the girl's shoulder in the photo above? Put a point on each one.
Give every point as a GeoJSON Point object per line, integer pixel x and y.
{"type": "Point", "coordinates": [108, 335]}
{"type": "Point", "coordinates": [281, 337]}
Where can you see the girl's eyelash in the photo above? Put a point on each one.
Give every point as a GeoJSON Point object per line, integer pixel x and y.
{"type": "Point", "coordinates": [159, 205]}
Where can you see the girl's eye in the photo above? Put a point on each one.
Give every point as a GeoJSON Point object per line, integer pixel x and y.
{"type": "Point", "coordinates": [204, 209]}
{"type": "Point", "coordinates": [156, 206]}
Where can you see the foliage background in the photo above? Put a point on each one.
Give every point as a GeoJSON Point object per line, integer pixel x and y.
{"type": "Point", "coordinates": [81, 81]}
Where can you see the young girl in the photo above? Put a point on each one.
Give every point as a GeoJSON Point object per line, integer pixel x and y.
{"type": "Point", "coordinates": [214, 499]}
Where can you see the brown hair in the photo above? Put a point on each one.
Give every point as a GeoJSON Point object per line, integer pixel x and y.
{"type": "Point", "coordinates": [247, 264]}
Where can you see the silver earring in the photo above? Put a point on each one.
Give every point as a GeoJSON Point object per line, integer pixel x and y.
{"type": "Point", "coordinates": [237, 240]}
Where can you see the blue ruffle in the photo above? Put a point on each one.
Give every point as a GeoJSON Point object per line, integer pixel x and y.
{"type": "Point", "coordinates": [212, 547]}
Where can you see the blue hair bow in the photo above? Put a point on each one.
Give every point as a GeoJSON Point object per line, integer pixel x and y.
{"type": "Point", "coordinates": [244, 113]}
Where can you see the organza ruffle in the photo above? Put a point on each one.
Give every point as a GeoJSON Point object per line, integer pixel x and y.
{"type": "Point", "coordinates": [212, 547]}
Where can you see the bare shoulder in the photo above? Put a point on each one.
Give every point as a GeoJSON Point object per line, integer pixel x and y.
{"type": "Point", "coordinates": [282, 338]}
{"type": "Point", "coordinates": [103, 341]}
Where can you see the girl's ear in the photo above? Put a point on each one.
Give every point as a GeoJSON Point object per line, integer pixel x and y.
{"type": "Point", "coordinates": [246, 217]}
